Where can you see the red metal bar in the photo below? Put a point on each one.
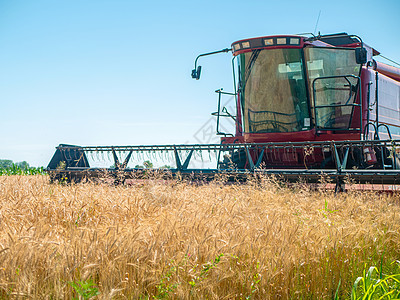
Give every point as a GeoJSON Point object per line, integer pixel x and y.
{"type": "Point", "coordinates": [387, 70]}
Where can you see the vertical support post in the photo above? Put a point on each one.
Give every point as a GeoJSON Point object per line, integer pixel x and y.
{"type": "Point", "coordinates": [361, 107]}
{"type": "Point", "coordinates": [187, 160]}
{"type": "Point", "coordinates": [117, 164]}
{"type": "Point", "coordinates": [340, 185]}
{"type": "Point", "coordinates": [218, 158]}
{"type": "Point", "coordinates": [177, 159]}
{"type": "Point", "coordinates": [376, 102]}
{"type": "Point", "coordinates": [185, 164]}
{"type": "Point", "coordinates": [126, 161]}
{"type": "Point", "coordinates": [219, 107]}
{"type": "Point", "coordinates": [340, 165]}
{"type": "Point", "coordinates": [260, 157]}
{"type": "Point", "coordinates": [249, 158]}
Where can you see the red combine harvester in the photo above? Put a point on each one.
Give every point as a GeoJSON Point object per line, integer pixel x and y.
{"type": "Point", "coordinates": [305, 107]}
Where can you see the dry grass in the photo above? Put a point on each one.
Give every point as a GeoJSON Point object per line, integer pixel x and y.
{"type": "Point", "coordinates": [165, 240]}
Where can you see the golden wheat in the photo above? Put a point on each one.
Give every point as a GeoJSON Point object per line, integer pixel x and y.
{"type": "Point", "coordinates": [175, 240]}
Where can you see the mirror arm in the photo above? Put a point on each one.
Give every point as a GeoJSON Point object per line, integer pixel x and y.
{"type": "Point", "coordinates": [196, 70]}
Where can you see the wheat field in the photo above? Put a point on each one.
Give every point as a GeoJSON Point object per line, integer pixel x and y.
{"type": "Point", "coordinates": [160, 239]}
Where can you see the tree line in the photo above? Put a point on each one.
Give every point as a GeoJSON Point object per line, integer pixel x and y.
{"type": "Point", "coordinates": [8, 163]}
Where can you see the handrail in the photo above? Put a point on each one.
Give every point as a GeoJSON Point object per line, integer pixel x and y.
{"type": "Point", "coordinates": [224, 110]}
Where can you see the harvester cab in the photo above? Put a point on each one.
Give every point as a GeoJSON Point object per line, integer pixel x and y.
{"type": "Point", "coordinates": [294, 88]}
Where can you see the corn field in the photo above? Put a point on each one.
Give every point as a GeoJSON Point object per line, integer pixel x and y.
{"type": "Point", "coordinates": [159, 239]}
{"type": "Point", "coordinates": [16, 170]}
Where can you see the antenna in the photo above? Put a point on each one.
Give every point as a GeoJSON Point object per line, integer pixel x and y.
{"type": "Point", "coordinates": [316, 25]}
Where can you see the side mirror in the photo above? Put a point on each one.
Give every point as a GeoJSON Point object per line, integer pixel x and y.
{"type": "Point", "coordinates": [361, 55]}
{"type": "Point", "coordinates": [196, 73]}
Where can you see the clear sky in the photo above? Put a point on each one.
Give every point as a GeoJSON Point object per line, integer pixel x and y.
{"type": "Point", "coordinates": [115, 72]}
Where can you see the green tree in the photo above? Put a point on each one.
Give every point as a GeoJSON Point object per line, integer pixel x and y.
{"type": "Point", "coordinates": [23, 165]}
{"type": "Point", "coordinates": [6, 163]}
{"type": "Point", "coordinates": [146, 164]}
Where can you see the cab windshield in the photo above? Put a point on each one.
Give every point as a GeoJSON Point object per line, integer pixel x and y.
{"type": "Point", "coordinates": [273, 91]}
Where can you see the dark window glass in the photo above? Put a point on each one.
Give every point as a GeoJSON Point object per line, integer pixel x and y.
{"type": "Point", "coordinates": [334, 97]}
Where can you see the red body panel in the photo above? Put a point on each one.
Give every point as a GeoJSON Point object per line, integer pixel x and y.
{"type": "Point", "coordinates": [387, 70]}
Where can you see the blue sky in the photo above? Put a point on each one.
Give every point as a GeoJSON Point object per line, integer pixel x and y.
{"type": "Point", "coordinates": [118, 72]}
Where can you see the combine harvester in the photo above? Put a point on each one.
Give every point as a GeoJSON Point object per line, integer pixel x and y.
{"type": "Point", "coordinates": [305, 107]}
